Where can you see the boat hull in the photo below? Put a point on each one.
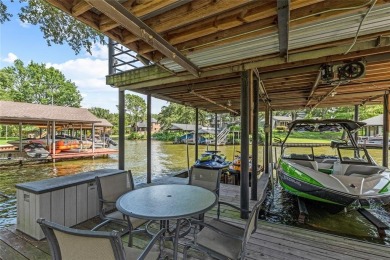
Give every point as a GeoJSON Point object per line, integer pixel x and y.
{"type": "Point", "coordinates": [312, 192]}
{"type": "Point", "coordinates": [325, 195]}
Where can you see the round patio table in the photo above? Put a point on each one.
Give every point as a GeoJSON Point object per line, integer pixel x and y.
{"type": "Point", "coordinates": [166, 202]}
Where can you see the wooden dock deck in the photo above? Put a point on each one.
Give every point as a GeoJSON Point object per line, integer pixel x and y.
{"type": "Point", "coordinates": [84, 153]}
{"type": "Point", "coordinates": [270, 241]}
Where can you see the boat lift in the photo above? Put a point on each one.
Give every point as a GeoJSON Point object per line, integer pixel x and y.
{"type": "Point", "coordinates": [380, 226]}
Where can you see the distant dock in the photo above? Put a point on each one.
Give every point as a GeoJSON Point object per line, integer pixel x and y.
{"type": "Point", "coordinates": [14, 157]}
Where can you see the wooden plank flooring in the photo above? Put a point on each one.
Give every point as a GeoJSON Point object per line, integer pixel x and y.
{"type": "Point", "coordinates": [270, 241]}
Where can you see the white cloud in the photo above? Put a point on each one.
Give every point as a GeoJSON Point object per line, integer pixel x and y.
{"type": "Point", "coordinates": [10, 58]}
{"type": "Point", "coordinates": [89, 75]}
{"type": "Point", "coordinates": [24, 25]}
{"type": "Point", "coordinates": [99, 51]}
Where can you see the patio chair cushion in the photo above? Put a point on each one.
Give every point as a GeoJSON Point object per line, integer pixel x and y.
{"type": "Point", "coordinates": [102, 247]}
{"type": "Point", "coordinates": [227, 246]}
{"type": "Point", "coordinates": [69, 243]}
{"type": "Point", "coordinates": [205, 178]}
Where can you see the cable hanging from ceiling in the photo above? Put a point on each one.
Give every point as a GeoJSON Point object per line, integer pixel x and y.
{"type": "Point", "coordinates": [213, 102]}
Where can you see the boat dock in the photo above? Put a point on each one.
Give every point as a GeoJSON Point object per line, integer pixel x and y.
{"type": "Point", "coordinates": [99, 152]}
{"type": "Point", "coordinates": [270, 241]}
{"type": "Point", "coordinates": [9, 158]}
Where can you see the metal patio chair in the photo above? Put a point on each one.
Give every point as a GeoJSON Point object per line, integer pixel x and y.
{"type": "Point", "coordinates": [223, 240]}
{"type": "Point", "coordinates": [69, 243]}
{"type": "Point", "coordinates": [209, 179]}
{"type": "Point", "coordinates": [109, 189]}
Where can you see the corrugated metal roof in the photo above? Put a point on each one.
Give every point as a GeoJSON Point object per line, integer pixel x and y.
{"type": "Point", "coordinates": [303, 36]}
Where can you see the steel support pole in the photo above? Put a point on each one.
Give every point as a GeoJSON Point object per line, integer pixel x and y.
{"type": "Point", "coordinates": [266, 139]}
{"type": "Point", "coordinates": [356, 118]}
{"type": "Point", "coordinates": [386, 121]}
{"type": "Point", "coordinates": [216, 132]}
{"type": "Point", "coordinates": [244, 178]}
{"type": "Point", "coordinates": [111, 53]}
{"type": "Point", "coordinates": [121, 130]}
{"type": "Point", "coordinates": [149, 139]}
{"type": "Point", "coordinates": [255, 140]}
{"type": "Point", "coordinates": [196, 133]}
{"type": "Point", "coordinates": [271, 126]}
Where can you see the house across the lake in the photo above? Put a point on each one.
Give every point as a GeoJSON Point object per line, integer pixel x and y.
{"type": "Point", "coordinates": [142, 127]}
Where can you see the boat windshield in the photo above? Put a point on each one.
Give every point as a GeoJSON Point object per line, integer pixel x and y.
{"type": "Point", "coordinates": [315, 133]}
{"type": "Point", "coordinates": [298, 153]}
{"type": "Point", "coordinates": [349, 154]}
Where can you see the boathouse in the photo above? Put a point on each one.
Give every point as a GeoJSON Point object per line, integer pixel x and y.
{"type": "Point", "coordinates": [244, 56]}
{"type": "Point", "coordinates": [52, 118]}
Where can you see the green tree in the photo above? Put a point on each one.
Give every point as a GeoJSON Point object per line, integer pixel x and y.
{"type": "Point", "coordinates": [135, 109]}
{"type": "Point", "coordinates": [4, 16]}
{"type": "Point", "coordinates": [176, 113]}
{"type": "Point", "coordinates": [57, 27]}
{"type": "Point", "coordinates": [101, 113]}
{"type": "Point", "coordinates": [37, 84]}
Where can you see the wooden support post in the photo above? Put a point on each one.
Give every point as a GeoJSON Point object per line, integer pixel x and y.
{"type": "Point", "coordinates": [149, 139]}
{"type": "Point", "coordinates": [48, 135]}
{"type": "Point", "coordinates": [244, 188]}
{"type": "Point", "coordinates": [255, 139]}
{"type": "Point", "coordinates": [386, 121]}
{"type": "Point", "coordinates": [196, 133]}
{"type": "Point", "coordinates": [53, 139]}
{"type": "Point", "coordinates": [93, 138]}
{"type": "Point", "coordinates": [121, 130]}
{"type": "Point", "coordinates": [20, 137]}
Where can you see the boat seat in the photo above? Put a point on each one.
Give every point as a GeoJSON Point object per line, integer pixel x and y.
{"type": "Point", "coordinates": [309, 164]}
{"type": "Point", "coordinates": [339, 168]}
{"type": "Point", "coordinates": [363, 170]}
{"type": "Point", "coordinates": [300, 156]}
{"type": "Point", "coordinates": [329, 160]}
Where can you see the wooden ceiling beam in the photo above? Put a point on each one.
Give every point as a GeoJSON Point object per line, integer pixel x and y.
{"type": "Point", "coordinates": [210, 14]}
{"type": "Point", "coordinates": [119, 13]}
{"type": "Point", "coordinates": [327, 9]}
{"type": "Point", "coordinates": [196, 11]}
{"type": "Point", "coordinates": [305, 62]}
{"type": "Point", "coordinates": [228, 35]}
{"type": "Point", "coordinates": [221, 37]}
{"type": "Point", "coordinates": [283, 26]}
{"type": "Point", "coordinates": [198, 86]}
{"type": "Point", "coordinates": [80, 8]}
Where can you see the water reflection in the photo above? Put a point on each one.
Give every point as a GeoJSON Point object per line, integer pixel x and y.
{"type": "Point", "coordinates": [282, 207]}
{"type": "Point", "coordinates": [168, 158]}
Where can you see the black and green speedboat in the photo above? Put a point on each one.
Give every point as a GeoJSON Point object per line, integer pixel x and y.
{"type": "Point", "coordinates": [337, 172]}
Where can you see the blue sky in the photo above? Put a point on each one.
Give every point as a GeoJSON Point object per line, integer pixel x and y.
{"type": "Point", "coordinates": [26, 42]}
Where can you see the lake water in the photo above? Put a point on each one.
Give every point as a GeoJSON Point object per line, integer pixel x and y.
{"type": "Point", "coordinates": [167, 159]}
